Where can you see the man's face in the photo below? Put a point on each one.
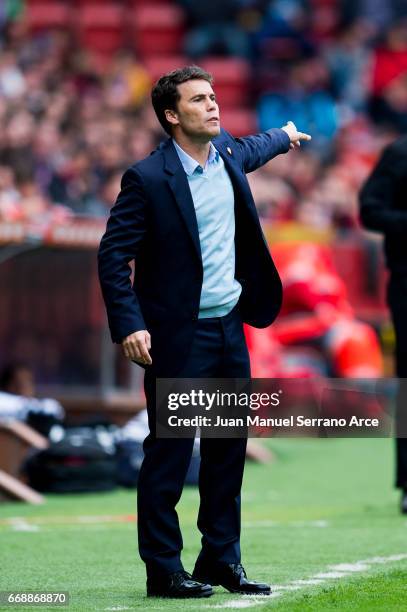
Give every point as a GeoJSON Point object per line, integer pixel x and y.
{"type": "Point", "coordinates": [197, 113]}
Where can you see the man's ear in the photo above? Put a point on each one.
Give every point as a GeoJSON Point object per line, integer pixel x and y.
{"type": "Point", "coordinates": [171, 117]}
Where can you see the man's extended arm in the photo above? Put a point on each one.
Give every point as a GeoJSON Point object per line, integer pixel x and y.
{"type": "Point", "coordinates": [377, 210]}
{"type": "Point", "coordinates": [257, 150]}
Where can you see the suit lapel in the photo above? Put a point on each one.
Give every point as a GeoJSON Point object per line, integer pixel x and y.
{"type": "Point", "coordinates": [179, 186]}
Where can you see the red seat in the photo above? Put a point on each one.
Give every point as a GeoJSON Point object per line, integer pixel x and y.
{"type": "Point", "coordinates": [158, 29]}
{"type": "Point", "coordinates": [139, 3]}
{"type": "Point", "coordinates": [231, 80]}
{"type": "Point", "coordinates": [157, 65]}
{"type": "Point", "coordinates": [239, 121]}
{"type": "Point", "coordinates": [325, 19]}
{"type": "Point", "coordinates": [101, 27]}
{"type": "Point", "coordinates": [47, 15]}
{"type": "Point", "coordinates": [82, 3]}
{"type": "Point", "coordinates": [30, 3]}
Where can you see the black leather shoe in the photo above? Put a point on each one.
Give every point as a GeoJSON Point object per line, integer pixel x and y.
{"type": "Point", "coordinates": [232, 577]}
{"type": "Point", "coordinates": [179, 584]}
{"type": "Point", "coordinates": [403, 503]}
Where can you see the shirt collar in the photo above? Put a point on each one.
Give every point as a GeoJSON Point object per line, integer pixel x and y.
{"type": "Point", "coordinates": [190, 164]}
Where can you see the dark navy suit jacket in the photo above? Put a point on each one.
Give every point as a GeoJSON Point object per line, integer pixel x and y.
{"type": "Point", "coordinates": [153, 223]}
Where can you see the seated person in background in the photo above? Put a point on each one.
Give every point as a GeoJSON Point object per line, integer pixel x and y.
{"type": "Point", "coordinates": [18, 401]}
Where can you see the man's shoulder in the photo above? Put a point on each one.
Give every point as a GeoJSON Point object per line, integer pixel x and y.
{"type": "Point", "coordinates": [223, 138]}
{"type": "Point", "coordinates": [151, 163]}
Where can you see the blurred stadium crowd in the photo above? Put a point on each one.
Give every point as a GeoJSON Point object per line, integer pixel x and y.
{"type": "Point", "coordinates": [75, 84]}
{"type": "Point", "coordinates": [75, 112]}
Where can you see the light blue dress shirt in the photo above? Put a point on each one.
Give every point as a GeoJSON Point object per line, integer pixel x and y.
{"type": "Point", "coordinates": [214, 203]}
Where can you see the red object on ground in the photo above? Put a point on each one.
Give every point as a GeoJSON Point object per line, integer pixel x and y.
{"type": "Point", "coordinates": [316, 311]}
{"type": "Point", "coordinates": [354, 350]}
{"type": "Point", "coordinates": [387, 66]}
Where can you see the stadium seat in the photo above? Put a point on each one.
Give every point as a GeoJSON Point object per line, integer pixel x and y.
{"type": "Point", "coordinates": [81, 3]}
{"type": "Point", "coordinates": [30, 3]}
{"type": "Point", "coordinates": [232, 80]}
{"type": "Point", "coordinates": [157, 29]}
{"type": "Point", "coordinates": [239, 121]}
{"type": "Point", "coordinates": [325, 19]}
{"type": "Point", "coordinates": [101, 27]}
{"type": "Point", "coordinates": [157, 66]}
{"type": "Point", "coordinates": [47, 15]}
{"type": "Point", "coordinates": [138, 3]}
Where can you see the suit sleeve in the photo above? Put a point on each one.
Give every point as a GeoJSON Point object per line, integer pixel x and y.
{"type": "Point", "coordinates": [125, 231]}
{"type": "Point", "coordinates": [377, 211]}
{"type": "Point", "coordinates": [259, 149]}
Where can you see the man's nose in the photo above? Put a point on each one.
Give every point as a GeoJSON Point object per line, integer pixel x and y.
{"type": "Point", "coordinates": [211, 105]}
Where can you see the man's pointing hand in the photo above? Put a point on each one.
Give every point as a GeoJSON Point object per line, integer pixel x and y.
{"type": "Point", "coordinates": [294, 135]}
{"type": "Point", "coordinates": [137, 345]}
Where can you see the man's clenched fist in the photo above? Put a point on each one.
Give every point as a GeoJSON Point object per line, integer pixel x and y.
{"type": "Point", "coordinates": [136, 347]}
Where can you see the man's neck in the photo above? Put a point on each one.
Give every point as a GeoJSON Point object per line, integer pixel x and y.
{"type": "Point", "coordinates": [197, 150]}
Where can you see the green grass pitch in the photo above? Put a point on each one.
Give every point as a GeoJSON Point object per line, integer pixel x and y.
{"type": "Point", "coordinates": [321, 523]}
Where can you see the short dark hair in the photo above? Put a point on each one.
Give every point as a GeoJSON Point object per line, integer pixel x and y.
{"type": "Point", "coordinates": [165, 94]}
{"type": "Point", "coordinates": [9, 372]}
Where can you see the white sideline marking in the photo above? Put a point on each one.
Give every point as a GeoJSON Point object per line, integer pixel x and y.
{"type": "Point", "coordinates": [330, 575]}
{"type": "Point", "coordinates": [386, 559]}
{"type": "Point", "coordinates": [350, 567]}
{"type": "Point", "coordinates": [309, 581]}
{"type": "Point", "coordinates": [49, 521]}
{"type": "Point", "coordinates": [285, 524]}
{"type": "Point", "coordinates": [20, 524]}
{"type": "Point", "coordinates": [285, 587]}
{"type": "Point", "coordinates": [247, 601]}
{"type": "Point", "coordinates": [340, 570]}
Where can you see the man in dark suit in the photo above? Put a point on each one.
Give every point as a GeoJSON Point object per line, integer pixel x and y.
{"type": "Point", "coordinates": [383, 200]}
{"type": "Point", "coordinates": [187, 218]}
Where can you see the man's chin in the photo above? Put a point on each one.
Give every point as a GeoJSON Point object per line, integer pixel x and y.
{"type": "Point", "coordinates": [205, 135]}
{"type": "Point", "coordinates": [214, 130]}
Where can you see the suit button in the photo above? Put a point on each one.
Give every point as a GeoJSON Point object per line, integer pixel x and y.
{"type": "Point", "coordinates": [194, 317]}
